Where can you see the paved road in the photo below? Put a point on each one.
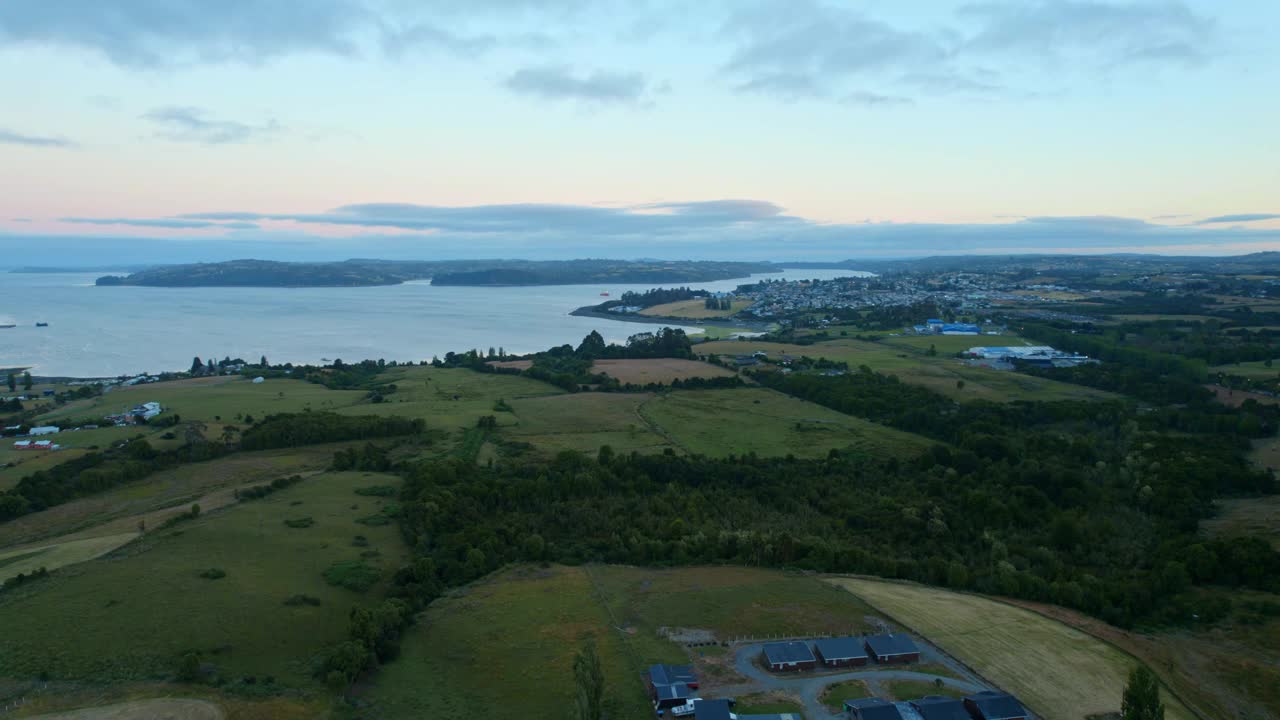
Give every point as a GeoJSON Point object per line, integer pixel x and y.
{"type": "Point", "coordinates": [809, 685]}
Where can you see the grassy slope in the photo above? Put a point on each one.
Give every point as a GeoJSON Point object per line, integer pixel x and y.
{"type": "Point", "coordinates": [129, 616]}
{"type": "Point", "coordinates": [725, 422]}
{"type": "Point", "coordinates": [25, 462]}
{"type": "Point", "coordinates": [1059, 672]}
{"type": "Point", "coordinates": [910, 364]}
{"type": "Point", "coordinates": [503, 647]}
{"type": "Point", "coordinates": [208, 398]}
{"type": "Point", "coordinates": [1247, 516]}
{"type": "Point", "coordinates": [584, 422]}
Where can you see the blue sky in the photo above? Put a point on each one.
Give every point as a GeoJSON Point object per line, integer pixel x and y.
{"type": "Point", "coordinates": [186, 130]}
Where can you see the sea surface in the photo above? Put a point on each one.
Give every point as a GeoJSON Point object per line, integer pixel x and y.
{"type": "Point", "coordinates": [108, 331]}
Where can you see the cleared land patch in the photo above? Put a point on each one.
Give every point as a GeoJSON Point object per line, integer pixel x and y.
{"type": "Point", "coordinates": [1059, 672]}
{"type": "Point", "coordinates": [768, 423]}
{"type": "Point", "coordinates": [505, 646]}
{"type": "Point", "coordinates": [167, 708]}
{"type": "Point", "coordinates": [131, 615]}
{"type": "Point", "coordinates": [584, 422]}
{"type": "Point", "coordinates": [52, 557]}
{"type": "Point", "coordinates": [695, 309]}
{"type": "Point", "coordinates": [1238, 517]}
{"type": "Point", "coordinates": [658, 370]}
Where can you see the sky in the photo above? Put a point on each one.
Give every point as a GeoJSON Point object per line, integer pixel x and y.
{"type": "Point", "coordinates": [186, 130]}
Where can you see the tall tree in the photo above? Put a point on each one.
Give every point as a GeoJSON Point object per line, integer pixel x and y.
{"type": "Point", "coordinates": [1142, 696]}
{"type": "Point", "coordinates": [197, 366]}
{"type": "Point", "coordinates": [26, 381]}
{"type": "Point", "coordinates": [263, 361]}
{"type": "Point", "coordinates": [589, 677]}
{"type": "Point", "coordinates": [13, 382]}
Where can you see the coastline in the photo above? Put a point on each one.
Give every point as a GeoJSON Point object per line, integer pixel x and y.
{"type": "Point", "coordinates": [746, 325]}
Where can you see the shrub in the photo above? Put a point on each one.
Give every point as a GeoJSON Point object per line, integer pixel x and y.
{"type": "Point", "coordinates": [302, 522]}
{"type": "Point", "coordinates": [377, 490]}
{"type": "Point", "coordinates": [300, 600]}
{"type": "Point", "coordinates": [375, 520]}
{"type": "Point", "coordinates": [360, 541]}
{"type": "Point", "coordinates": [213, 574]}
{"type": "Point", "coordinates": [352, 575]}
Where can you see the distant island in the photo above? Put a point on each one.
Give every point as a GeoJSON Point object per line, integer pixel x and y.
{"type": "Point", "coordinates": [475, 273]}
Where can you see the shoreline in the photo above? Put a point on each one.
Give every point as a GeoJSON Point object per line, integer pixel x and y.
{"type": "Point", "coordinates": [746, 325]}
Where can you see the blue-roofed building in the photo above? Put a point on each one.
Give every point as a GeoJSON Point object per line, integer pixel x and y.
{"type": "Point", "coordinates": [662, 674]}
{"type": "Point", "coordinates": [892, 648]}
{"type": "Point", "coordinates": [960, 329]}
{"type": "Point", "coordinates": [991, 705]}
{"type": "Point", "coordinates": [871, 709]}
{"type": "Point", "coordinates": [780, 656]}
{"type": "Point", "coordinates": [669, 696]}
{"type": "Point", "coordinates": [937, 707]}
{"type": "Point", "coordinates": [840, 652]}
{"type": "Point", "coordinates": [712, 710]}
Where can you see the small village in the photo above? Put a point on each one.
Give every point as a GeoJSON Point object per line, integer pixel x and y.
{"type": "Point", "coordinates": [137, 415]}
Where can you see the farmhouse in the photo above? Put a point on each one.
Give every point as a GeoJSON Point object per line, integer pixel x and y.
{"type": "Point", "coordinates": [840, 652]}
{"type": "Point", "coordinates": [789, 656]}
{"type": "Point", "coordinates": [871, 709]}
{"type": "Point", "coordinates": [991, 705]}
{"type": "Point", "coordinates": [669, 696]}
{"type": "Point", "coordinates": [660, 675]}
{"type": "Point", "coordinates": [22, 445]}
{"type": "Point", "coordinates": [892, 648]}
{"type": "Point", "coordinates": [712, 710]}
{"type": "Point", "coordinates": [937, 707]}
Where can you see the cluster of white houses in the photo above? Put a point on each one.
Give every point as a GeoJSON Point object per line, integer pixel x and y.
{"type": "Point", "coordinates": [887, 649]}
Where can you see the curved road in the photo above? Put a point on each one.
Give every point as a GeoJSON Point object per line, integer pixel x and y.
{"type": "Point", "coordinates": [808, 685]}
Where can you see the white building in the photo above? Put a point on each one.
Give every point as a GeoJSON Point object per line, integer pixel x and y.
{"type": "Point", "coordinates": [43, 430]}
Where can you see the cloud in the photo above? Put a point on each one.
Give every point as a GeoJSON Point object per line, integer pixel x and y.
{"type": "Point", "coordinates": [1103, 34]}
{"type": "Point", "coordinates": [785, 85]}
{"type": "Point", "coordinates": [190, 124]}
{"type": "Point", "coordinates": [168, 223]}
{"type": "Point", "coordinates": [1242, 218]}
{"type": "Point", "coordinates": [870, 99]}
{"type": "Point", "coordinates": [149, 34]}
{"type": "Point", "coordinates": [9, 137]}
{"type": "Point", "coordinates": [561, 83]}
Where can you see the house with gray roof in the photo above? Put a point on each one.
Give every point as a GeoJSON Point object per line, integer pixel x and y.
{"type": "Point", "coordinates": [892, 648]}
{"type": "Point", "coordinates": [992, 705]}
{"type": "Point", "coordinates": [840, 652]}
{"type": "Point", "coordinates": [780, 656]}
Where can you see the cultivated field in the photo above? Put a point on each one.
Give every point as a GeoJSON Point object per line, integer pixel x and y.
{"type": "Point", "coordinates": [939, 373]}
{"type": "Point", "coordinates": [1059, 672]}
{"type": "Point", "coordinates": [768, 423]}
{"type": "Point", "coordinates": [584, 422]}
{"type": "Point", "coordinates": [131, 615]}
{"type": "Point", "coordinates": [695, 309]}
{"type": "Point", "coordinates": [657, 370]}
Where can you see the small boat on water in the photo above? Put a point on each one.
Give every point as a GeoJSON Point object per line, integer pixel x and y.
{"type": "Point", "coordinates": [42, 324]}
{"type": "Point", "coordinates": [604, 294]}
{"type": "Point", "coordinates": [8, 326]}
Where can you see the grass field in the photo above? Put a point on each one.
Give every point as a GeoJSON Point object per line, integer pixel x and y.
{"type": "Point", "coordinates": [503, 648]}
{"type": "Point", "coordinates": [132, 614]}
{"type": "Point", "coordinates": [914, 689]}
{"type": "Point", "coordinates": [1058, 672]}
{"type": "Point", "coordinates": [940, 373]}
{"type": "Point", "coordinates": [51, 557]}
{"type": "Point", "coordinates": [771, 703]}
{"type": "Point", "coordinates": [584, 422]}
{"type": "Point", "coordinates": [768, 423]}
{"type": "Point", "coordinates": [657, 370]}
{"type": "Point", "coordinates": [1238, 517]}
{"type": "Point", "coordinates": [16, 464]}
{"type": "Point", "coordinates": [835, 694]}
{"type": "Point", "coordinates": [207, 399]}
{"type": "Point", "coordinates": [161, 495]}
{"type": "Point", "coordinates": [695, 309]}
{"type": "Point", "coordinates": [1253, 370]}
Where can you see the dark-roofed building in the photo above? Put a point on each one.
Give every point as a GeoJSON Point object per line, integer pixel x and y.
{"type": "Point", "coordinates": [991, 705]}
{"type": "Point", "coordinates": [840, 652]}
{"type": "Point", "coordinates": [892, 648]}
{"type": "Point", "coordinates": [937, 707]}
{"type": "Point", "coordinates": [669, 696]}
{"type": "Point", "coordinates": [670, 675]}
{"type": "Point", "coordinates": [872, 709]}
{"type": "Point", "coordinates": [789, 656]}
{"type": "Point", "coordinates": [711, 710]}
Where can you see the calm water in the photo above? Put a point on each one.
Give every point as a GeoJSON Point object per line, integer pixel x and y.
{"type": "Point", "coordinates": [106, 331]}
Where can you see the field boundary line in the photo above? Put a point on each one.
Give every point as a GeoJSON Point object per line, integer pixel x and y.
{"type": "Point", "coordinates": [1167, 688]}
{"type": "Point", "coordinates": [636, 665]}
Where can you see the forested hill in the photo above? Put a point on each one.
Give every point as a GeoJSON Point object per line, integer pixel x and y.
{"type": "Point", "coordinates": [350, 273]}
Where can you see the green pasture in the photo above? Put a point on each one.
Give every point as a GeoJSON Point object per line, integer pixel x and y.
{"type": "Point", "coordinates": [131, 615]}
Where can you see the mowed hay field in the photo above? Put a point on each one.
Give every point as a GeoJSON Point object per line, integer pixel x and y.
{"type": "Point", "coordinates": [658, 370]}
{"type": "Point", "coordinates": [1058, 672]}
{"type": "Point", "coordinates": [695, 309]}
{"type": "Point", "coordinates": [206, 399]}
{"type": "Point", "coordinates": [131, 615]}
{"type": "Point", "coordinates": [503, 648]}
{"type": "Point", "coordinates": [939, 373]}
{"type": "Point", "coordinates": [768, 423]}
{"type": "Point", "coordinates": [1244, 517]}
{"type": "Point", "coordinates": [583, 422]}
